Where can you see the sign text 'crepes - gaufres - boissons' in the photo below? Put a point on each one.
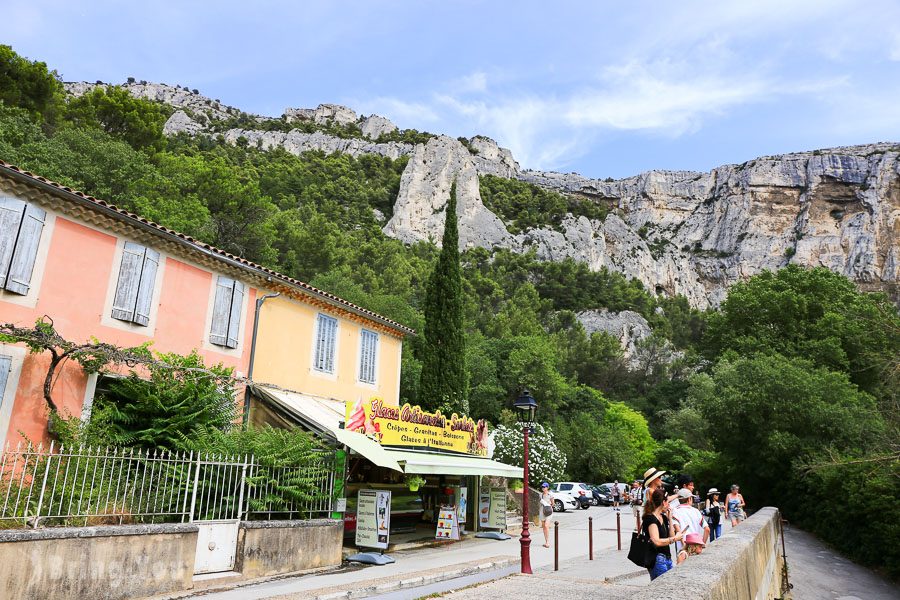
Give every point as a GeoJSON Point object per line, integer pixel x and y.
{"type": "Point", "coordinates": [413, 427]}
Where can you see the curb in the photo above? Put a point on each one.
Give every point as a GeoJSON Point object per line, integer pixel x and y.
{"type": "Point", "coordinates": [412, 582]}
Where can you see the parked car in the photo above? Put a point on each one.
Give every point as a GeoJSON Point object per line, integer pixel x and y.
{"type": "Point", "coordinates": [580, 491]}
{"type": "Point", "coordinates": [563, 501]}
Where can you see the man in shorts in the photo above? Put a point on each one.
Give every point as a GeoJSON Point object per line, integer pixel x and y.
{"type": "Point", "coordinates": [636, 497]}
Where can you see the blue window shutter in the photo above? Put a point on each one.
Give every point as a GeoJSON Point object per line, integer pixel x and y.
{"type": "Point", "coordinates": [127, 286]}
{"type": "Point", "coordinates": [367, 356]}
{"type": "Point", "coordinates": [326, 334]}
{"type": "Point", "coordinates": [234, 318]}
{"type": "Point", "coordinates": [218, 331]}
{"type": "Point", "coordinates": [144, 300]}
{"type": "Point", "coordinates": [11, 211]}
{"type": "Point", "coordinates": [18, 278]}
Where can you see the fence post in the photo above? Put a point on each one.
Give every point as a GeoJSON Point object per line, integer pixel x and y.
{"type": "Point", "coordinates": [240, 504]}
{"type": "Point", "coordinates": [590, 538]}
{"type": "Point", "coordinates": [37, 517]}
{"type": "Point", "coordinates": [194, 494]}
{"type": "Point", "coordinates": [619, 529]}
{"type": "Point", "coordinates": [555, 543]}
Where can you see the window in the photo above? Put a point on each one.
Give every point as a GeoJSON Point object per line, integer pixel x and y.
{"type": "Point", "coordinates": [20, 233]}
{"type": "Point", "coordinates": [368, 348]}
{"type": "Point", "coordinates": [326, 337]}
{"type": "Point", "coordinates": [5, 411]}
{"type": "Point", "coordinates": [226, 319]}
{"type": "Point", "coordinates": [134, 289]}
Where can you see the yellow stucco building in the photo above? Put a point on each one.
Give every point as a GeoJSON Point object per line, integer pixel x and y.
{"type": "Point", "coordinates": [319, 351]}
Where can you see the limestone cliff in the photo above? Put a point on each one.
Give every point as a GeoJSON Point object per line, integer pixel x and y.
{"type": "Point", "coordinates": [677, 232]}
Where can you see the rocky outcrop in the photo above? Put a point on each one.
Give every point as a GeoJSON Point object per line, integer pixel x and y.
{"type": "Point", "coordinates": [176, 96]}
{"type": "Point", "coordinates": [180, 122]}
{"type": "Point", "coordinates": [628, 327]}
{"type": "Point", "coordinates": [373, 127]}
{"type": "Point", "coordinates": [323, 114]}
{"type": "Point", "coordinates": [425, 189]}
{"type": "Point", "coordinates": [297, 142]}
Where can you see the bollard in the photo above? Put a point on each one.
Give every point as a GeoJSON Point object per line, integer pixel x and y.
{"type": "Point", "coordinates": [591, 538]}
{"type": "Point", "coordinates": [619, 529]}
{"type": "Point", "coordinates": [556, 545]}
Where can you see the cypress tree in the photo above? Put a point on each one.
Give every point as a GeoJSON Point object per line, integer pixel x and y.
{"type": "Point", "coordinates": [444, 382]}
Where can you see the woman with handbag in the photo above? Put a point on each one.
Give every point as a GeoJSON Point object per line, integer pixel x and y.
{"type": "Point", "coordinates": [545, 512]}
{"type": "Point", "coordinates": [655, 525]}
{"type": "Point", "coordinates": [712, 508]}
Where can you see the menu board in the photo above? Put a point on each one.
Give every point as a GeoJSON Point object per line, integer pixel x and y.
{"type": "Point", "coordinates": [373, 518]}
{"type": "Point", "coordinates": [492, 508]}
{"type": "Point", "coordinates": [447, 525]}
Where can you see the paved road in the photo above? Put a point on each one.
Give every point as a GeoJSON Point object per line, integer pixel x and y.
{"type": "Point", "coordinates": [819, 573]}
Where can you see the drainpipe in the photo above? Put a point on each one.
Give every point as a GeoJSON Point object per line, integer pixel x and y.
{"type": "Point", "coordinates": [259, 303]}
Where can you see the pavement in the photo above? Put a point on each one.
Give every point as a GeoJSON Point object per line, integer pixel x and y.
{"type": "Point", "coordinates": [454, 565]}
{"type": "Point", "coordinates": [477, 568]}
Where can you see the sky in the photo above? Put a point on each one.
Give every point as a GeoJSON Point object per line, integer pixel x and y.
{"type": "Point", "coordinates": [605, 89]}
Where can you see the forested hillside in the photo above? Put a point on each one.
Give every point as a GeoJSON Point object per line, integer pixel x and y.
{"type": "Point", "coordinates": [790, 388]}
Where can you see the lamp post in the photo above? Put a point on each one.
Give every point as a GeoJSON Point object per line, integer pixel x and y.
{"type": "Point", "coordinates": [526, 406]}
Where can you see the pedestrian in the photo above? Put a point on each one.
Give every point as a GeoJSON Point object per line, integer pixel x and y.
{"type": "Point", "coordinates": [636, 497]}
{"type": "Point", "coordinates": [652, 481]}
{"type": "Point", "coordinates": [617, 495]}
{"type": "Point", "coordinates": [685, 481]}
{"type": "Point", "coordinates": [734, 506]}
{"type": "Point", "coordinates": [690, 521]}
{"type": "Point", "coordinates": [712, 508]}
{"type": "Point", "coordinates": [546, 512]}
{"type": "Point", "coordinates": [655, 525]}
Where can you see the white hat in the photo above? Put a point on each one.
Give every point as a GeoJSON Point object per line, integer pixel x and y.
{"type": "Point", "coordinates": [652, 474]}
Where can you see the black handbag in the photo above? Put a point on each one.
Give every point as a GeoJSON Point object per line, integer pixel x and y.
{"type": "Point", "coordinates": [642, 551]}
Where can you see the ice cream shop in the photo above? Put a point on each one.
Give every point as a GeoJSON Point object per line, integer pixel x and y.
{"type": "Point", "coordinates": [430, 463]}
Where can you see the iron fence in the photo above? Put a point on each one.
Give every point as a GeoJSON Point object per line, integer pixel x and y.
{"type": "Point", "coordinates": [41, 486]}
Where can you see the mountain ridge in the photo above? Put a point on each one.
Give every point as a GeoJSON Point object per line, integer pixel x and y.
{"type": "Point", "coordinates": [678, 232]}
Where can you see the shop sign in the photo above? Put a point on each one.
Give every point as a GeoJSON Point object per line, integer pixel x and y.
{"type": "Point", "coordinates": [410, 426]}
{"type": "Point", "coordinates": [373, 518]}
{"type": "Point", "coordinates": [492, 508]}
{"type": "Point", "coordinates": [447, 525]}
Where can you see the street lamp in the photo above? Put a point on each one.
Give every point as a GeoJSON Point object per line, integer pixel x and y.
{"type": "Point", "coordinates": [526, 407]}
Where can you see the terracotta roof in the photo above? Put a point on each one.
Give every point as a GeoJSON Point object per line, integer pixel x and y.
{"type": "Point", "coordinates": [9, 169]}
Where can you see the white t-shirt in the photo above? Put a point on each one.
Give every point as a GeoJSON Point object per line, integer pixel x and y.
{"type": "Point", "coordinates": [690, 520]}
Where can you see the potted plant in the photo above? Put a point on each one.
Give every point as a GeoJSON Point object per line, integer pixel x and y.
{"type": "Point", "coordinates": [414, 482]}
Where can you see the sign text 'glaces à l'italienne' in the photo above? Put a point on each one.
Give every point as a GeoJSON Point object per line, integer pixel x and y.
{"type": "Point", "coordinates": [411, 426]}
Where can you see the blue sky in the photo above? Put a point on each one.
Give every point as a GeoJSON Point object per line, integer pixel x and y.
{"type": "Point", "coordinates": [600, 88]}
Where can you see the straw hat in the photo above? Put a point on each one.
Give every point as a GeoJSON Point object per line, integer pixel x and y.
{"type": "Point", "coordinates": [652, 474]}
{"type": "Point", "coordinates": [712, 491]}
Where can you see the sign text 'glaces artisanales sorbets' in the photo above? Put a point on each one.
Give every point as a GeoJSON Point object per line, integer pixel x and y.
{"type": "Point", "coordinates": [410, 426]}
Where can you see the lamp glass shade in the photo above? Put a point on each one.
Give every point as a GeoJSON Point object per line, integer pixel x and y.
{"type": "Point", "coordinates": [526, 406]}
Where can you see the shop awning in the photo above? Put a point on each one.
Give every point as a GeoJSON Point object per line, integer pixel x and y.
{"type": "Point", "coordinates": [325, 416]}
{"type": "Point", "coordinates": [448, 464]}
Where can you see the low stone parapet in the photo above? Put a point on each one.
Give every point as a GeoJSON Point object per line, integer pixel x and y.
{"type": "Point", "coordinates": [268, 548]}
{"type": "Point", "coordinates": [745, 563]}
{"type": "Point", "coordinates": [110, 562]}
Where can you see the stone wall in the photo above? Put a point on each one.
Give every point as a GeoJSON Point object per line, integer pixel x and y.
{"type": "Point", "coordinates": [744, 564]}
{"type": "Point", "coordinates": [277, 547]}
{"type": "Point", "coordinates": [110, 562]}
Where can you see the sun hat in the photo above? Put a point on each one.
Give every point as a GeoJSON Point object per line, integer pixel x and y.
{"type": "Point", "coordinates": [545, 485]}
{"type": "Point", "coordinates": [652, 474]}
{"type": "Point", "coordinates": [694, 538]}
{"type": "Point", "coordinates": [712, 491]}
{"type": "Point", "coordinates": [685, 493]}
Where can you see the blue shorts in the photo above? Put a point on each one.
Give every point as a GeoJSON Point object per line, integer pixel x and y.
{"type": "Point", "coordinates": [663, 564]}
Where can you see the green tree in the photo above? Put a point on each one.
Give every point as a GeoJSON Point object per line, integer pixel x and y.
{"type": "Point", "coordinates": [134, 120]}
{"type": "Point", "coordinates": [444, 381]}
{"type": "Point", "coordinates": [29, 85]}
